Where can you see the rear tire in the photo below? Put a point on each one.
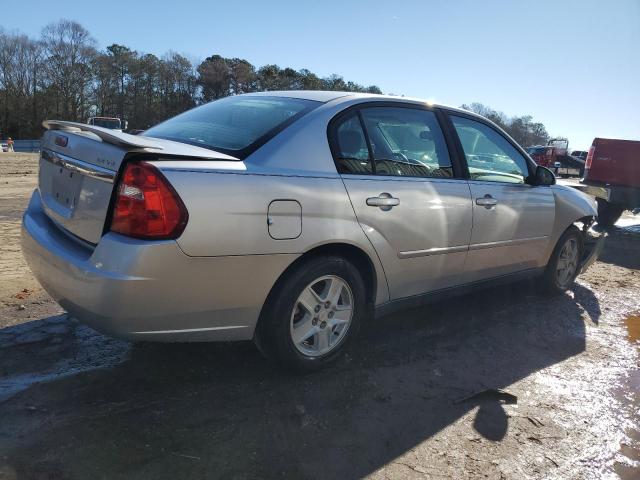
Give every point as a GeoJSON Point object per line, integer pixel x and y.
{"type": "Point", "coordinates": [564, 264]}
{"type": "Point", "coordinates": [608, 213]}
{"type": "Point", "coordinates": [312, 314]}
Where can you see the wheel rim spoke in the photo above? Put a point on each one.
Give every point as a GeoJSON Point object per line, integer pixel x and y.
{"type": "Point", "coordinates": [334, 291]}
{"type": "Point", "coordinates": [309, 299]}
{"type": "Point", "coordinates": [304, 330]}
{"type": "Point", "coordinates": [341, 316]}
{"type": "Point", "coordinates": [323, 339]}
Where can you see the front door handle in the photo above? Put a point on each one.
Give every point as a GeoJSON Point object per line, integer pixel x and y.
{"type": "Point", "coordinates": [487, 201]}
{"type": "Point", "coordinates": [385, 201]}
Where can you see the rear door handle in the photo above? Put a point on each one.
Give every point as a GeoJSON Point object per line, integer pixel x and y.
{"type": "Point", "coordinates": [487, 201]}
{"type": "Point", "coordinates": [385, 201]}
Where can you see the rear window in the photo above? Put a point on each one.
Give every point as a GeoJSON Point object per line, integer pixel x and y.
{"type": "Point", "coordinates": [233, 125]}
{"type": "Point", "coordinates": [536, 150]}
{"type": "Point", "coordinates": [112, 123]}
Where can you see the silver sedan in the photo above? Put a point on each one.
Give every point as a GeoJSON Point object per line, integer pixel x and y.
{"type": "Point", "coordinates": [291, 218]}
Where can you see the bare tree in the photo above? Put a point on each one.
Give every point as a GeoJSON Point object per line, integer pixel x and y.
{"type": "Point", "coordinates": [8, 66]}
{"type": "Point", "coordinates": [20, 82]}
{"type": "Point", "coordinates": [71, 51]}
{"type": "Point", "coordinates": [522, 129]}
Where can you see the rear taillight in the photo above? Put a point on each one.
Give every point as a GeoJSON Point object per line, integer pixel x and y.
{"type": "Point", "coordinates": [146, 205]}
{"type": "Point", "coordinates": [587, 163]}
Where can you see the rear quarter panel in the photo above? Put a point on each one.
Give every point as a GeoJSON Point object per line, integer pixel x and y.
{"type": "Point", "coordinates": [228, 214]}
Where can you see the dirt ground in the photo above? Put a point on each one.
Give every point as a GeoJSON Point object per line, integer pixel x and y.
{"type": "Point", "coordinates": [501, 384]}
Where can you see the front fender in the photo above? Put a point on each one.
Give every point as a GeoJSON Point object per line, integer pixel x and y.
{"type": "Point", "coordinates": [571, 206]}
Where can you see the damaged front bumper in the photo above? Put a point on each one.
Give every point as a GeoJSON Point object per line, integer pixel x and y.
{"type": "Point", "coordinates": [593, 242]}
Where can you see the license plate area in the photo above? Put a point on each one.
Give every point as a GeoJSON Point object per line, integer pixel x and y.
{"type": "Point", "coordinates": [65, 187]}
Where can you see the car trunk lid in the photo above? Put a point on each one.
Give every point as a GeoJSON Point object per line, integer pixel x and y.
{"type": "Point", "coordinates": [79, 166]}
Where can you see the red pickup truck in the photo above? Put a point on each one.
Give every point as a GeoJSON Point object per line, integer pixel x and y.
{"type": "Point", "coordinates": [555, 156]}
{"type": "Point", "coordinates": [612, 175]}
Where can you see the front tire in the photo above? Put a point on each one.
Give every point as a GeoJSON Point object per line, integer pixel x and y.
{"type": "Point", "coordinates": [564, 264]}
{"type": "Point", "coordinates": [312, 314]}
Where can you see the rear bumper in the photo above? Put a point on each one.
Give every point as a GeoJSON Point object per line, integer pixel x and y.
{"type": "Point", "coordinates": [626, 197]}
{"type": "Point", "coordinates": [146, 290]}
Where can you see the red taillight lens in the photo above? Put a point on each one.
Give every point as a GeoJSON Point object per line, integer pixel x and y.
{"type": "Point", "coordinates": [587, 163]}
{"type": "Point", "coordinates": [146, 205]}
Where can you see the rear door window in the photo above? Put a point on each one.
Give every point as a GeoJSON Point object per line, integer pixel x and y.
{"type": "Point", "coordinates": [407, 142]}
{"type": "Point", "coordinates": [352, 155]}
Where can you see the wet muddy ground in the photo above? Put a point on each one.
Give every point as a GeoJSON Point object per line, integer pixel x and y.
{"type": "Point", "coordinates": [504, 383]}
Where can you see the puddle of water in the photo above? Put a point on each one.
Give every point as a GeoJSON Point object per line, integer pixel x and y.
{"type": "Point", "coordinates": [631, 452]}
{"type": "Point", "coordinates": [632, 322]}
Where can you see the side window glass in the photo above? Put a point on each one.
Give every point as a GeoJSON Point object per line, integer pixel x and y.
{"type": "Point", "coordinates": [489, 155]}
{"type": "Point", "coordinates": [353, 155]}
{"type": "Point", "coordinates": [407, 142]}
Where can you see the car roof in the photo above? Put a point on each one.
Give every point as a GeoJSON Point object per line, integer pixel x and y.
{"type": "Point", "coordinates": [326, 96]}
{"type": "Point", "coordinates": [317, 95]}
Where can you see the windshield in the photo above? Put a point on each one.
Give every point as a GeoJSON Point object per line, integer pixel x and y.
{"type": "Point", "coordinates": [233, 125]}
{"type": "Point", "coordinates": [112, 123]}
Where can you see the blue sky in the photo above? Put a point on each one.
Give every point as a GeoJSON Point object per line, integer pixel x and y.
{"type": "Point", "coordinates": [574, 65]}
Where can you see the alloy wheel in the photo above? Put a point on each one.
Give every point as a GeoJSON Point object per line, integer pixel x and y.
{"type": "Point", "coordinates": [567, 262]}
{"type": "Point", "coordinates": [321, 316]}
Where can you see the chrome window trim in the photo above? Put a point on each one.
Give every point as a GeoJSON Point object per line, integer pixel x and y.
{"type": "Point", "coordinates": [503, 184]}
{"type": "Point", "coordinates": [402, 178]}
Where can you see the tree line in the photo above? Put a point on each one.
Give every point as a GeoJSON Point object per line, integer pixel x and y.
{"type": "Point", "coordinates": [63, 75]}
{"type": "Point", "coordinates": [522, 129]}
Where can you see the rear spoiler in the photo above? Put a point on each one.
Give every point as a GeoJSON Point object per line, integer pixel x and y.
{"type": "Point", "coordinates": [168, 148]}
{"type": "Point", "coordinates": [105, 134]}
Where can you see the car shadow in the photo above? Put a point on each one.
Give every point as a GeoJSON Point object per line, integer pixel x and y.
{"type": "Point", "coordinates": [186, 411]}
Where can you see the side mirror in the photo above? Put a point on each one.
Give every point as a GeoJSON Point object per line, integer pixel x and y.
{"type": "Point", "coordinates": [544, 176]}
{"type": "Point", "coordinates": [126, 125]}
